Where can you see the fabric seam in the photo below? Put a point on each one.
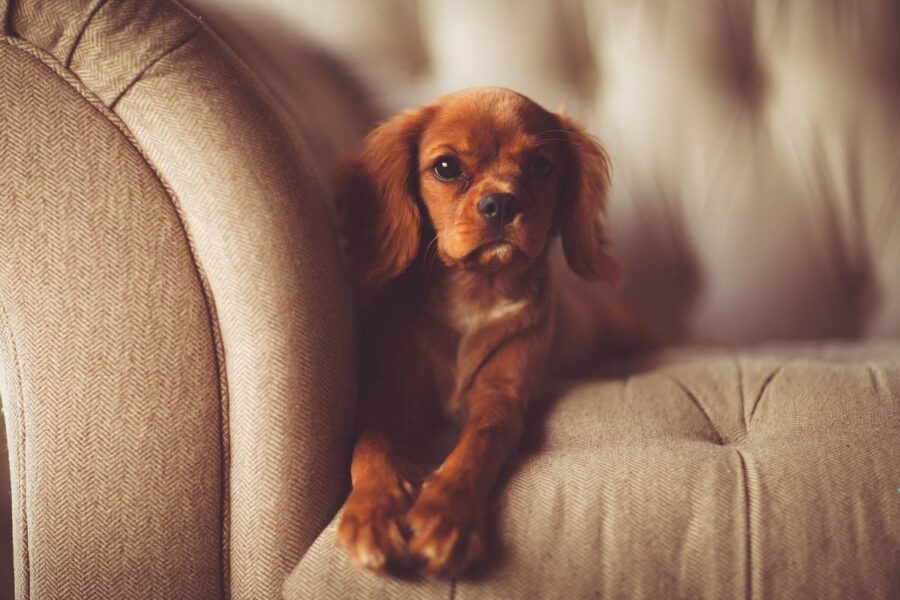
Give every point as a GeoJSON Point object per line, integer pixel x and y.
{"type": "Point", "coordinates": [873, 381]}
{"type": "Point", "coordinates": [740, 372]}
{"type": "Point", "coordinates": [71, 54]}
{"type": "Point", "coordinates": [140, 74]}
{"type": "Point", "coordinates": [219, 355]}
{"type": "Point", "coordinates": [762, 392]}
{"type": "Point", "coordinates": [722, 440]}
{"type": "Point", "coordinates": [748, 541]}
{"type": "Point", "coordinates": [21, 464]}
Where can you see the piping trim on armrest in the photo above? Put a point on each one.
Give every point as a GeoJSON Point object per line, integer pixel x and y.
{"type": "Point", "coordinates": [6, 331]}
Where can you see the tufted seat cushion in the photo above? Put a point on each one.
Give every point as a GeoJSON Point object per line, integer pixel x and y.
{"type": "Point", "coordinates": [707, 474]}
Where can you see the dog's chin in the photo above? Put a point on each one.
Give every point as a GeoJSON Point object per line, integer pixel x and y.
{"type": "Point", "coordinates": [492, 257]}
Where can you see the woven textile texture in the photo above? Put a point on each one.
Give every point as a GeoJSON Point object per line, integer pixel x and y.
{"type": "Point", "coordinates": [177, 334]}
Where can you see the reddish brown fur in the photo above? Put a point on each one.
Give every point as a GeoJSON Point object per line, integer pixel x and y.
{"type": "Point", "coordinates": [459, 319]}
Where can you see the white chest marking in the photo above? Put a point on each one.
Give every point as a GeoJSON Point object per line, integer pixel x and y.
{"type": "Point", "coordinates": [469, 317]}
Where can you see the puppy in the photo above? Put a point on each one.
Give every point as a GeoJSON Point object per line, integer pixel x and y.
{"type": "Point", "coordinates": [449, 213]}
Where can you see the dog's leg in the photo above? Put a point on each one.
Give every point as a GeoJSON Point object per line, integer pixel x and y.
{"type": "Point", "coordinates": [448, 518]}
{"type": "Point", "coordinates": [372, 526]}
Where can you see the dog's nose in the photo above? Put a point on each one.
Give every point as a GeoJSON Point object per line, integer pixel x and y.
{"type": "Point", "coordinates": [498, 209]}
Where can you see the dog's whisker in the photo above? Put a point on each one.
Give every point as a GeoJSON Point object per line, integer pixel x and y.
{"type": "Point", "coordinates": [430, 256]}
{"type": "Point", "coordinates": [547, 142]}
{"type": "Point", "coordinates": [567, 133]}
{"type": "Point", "coordinates": [543, 133]}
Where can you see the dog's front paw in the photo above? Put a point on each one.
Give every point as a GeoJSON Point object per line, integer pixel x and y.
{"type": "Point", "coordinates": [371, 528]}
{"type": "Point", "coordinates": [447, 528]}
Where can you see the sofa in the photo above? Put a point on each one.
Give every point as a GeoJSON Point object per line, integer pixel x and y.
{"type": "Point", "coordinates": [178, 339]}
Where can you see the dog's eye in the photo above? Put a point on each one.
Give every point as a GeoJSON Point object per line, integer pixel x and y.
{"type": "Point", "coordinates": [447, 168]}
{"type": "Point", "coordinates": [539, 167]}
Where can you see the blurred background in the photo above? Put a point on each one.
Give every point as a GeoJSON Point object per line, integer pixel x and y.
{"type": "Point", "coordinates": [755, 188]}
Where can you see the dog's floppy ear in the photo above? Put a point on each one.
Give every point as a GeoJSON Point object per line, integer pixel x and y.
{"type": "Point", "coordinates": [377, 200]}
{"type": "Point", "coordinates": [582, 212]}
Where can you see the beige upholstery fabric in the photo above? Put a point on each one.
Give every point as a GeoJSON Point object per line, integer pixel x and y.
{"type": "Point", "coordinates": [765, 473]}
{"type": "Point", "coordinates": [7, 564]}
{"type": "Point", "coordinates": [168, 439]}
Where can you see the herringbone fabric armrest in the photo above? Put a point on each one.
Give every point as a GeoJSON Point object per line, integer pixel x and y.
{"type": "Point", "coordinates": [175, 356]}
{"type": "Point", "coordinates": [108, 366]}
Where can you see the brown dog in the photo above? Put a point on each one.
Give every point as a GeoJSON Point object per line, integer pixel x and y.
{"type": "Point", "coordinates": [449, 213]}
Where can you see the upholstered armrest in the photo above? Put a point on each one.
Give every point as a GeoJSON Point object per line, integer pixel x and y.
{"type": "Point", "coordinates": [175, 356]}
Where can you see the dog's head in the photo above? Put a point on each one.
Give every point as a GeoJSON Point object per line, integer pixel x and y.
{"type": "Point", "coordinates": [492, 174]}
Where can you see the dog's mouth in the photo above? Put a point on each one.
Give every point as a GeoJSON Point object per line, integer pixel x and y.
{"type": "Point", "coordinates": [492, 256]}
